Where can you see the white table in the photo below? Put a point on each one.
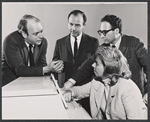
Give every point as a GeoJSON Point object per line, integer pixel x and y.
{"type": "Point", "coordinates": [37, 98]}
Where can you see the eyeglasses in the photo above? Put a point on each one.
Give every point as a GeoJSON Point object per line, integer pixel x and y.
{"type": "Point", "coordinates": [104, 32]}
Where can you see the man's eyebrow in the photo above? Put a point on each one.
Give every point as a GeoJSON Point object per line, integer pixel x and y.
{"type": "Point", "coordinates": [35, 33]}
{"type": "Point", "coordinates": [74, 24]}
{"type": "Point", "coordinates": [71, 23]}
{"type": "Point", "coordinates": [77, 24]}
{"type": "Point", "coordinates": [38, 32]}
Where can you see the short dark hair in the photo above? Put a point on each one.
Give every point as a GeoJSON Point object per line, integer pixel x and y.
{"type": "Point", "coordinates": [114, 21]}
{"type": "Point", "coordinates": [22, 26]}
{"type": "Point", "coordinates": [76, 12]}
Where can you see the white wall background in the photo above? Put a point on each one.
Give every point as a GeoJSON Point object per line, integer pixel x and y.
{"type": "Point", "coordinates": [54, 18]}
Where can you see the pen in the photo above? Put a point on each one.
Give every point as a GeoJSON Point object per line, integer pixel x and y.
{"type": "Point", "coordinates": [62, 98]}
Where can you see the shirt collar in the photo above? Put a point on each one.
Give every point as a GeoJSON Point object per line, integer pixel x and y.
{"type": "Point", "coordinates": [106, 81]}
{"type": "Point", "coordinates": [118, 42]}
{"type": "Point", "coordinates": [28, 44]}
{"type": "Point", "coordinates": [78, 38]}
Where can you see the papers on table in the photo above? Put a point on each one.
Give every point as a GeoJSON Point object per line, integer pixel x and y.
{"type": "Point", "coordinates": [29, 86]}
{"type": "Point", "coordinates": [34, 107]}
{"type": "Point", "coordinates": [36, 98]}
{"type": "Point", "coordinates": [28, 93]}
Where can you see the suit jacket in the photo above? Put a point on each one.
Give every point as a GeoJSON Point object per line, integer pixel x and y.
{"type": "Point", "coordinates": [63, 51]}
{"type": "Point", "coordinates": [124, 100]}
{"type": "Point", "coordinates": [15, 58]}
{"type": "Point", "coordinates": [135, 52]}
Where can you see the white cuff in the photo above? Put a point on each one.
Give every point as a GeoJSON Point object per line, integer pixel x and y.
{"type": "Point", "coordinates": [72, 81]}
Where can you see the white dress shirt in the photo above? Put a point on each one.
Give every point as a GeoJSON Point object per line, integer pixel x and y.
{"type": "Point", "coordinates": [72, 40]}
{"type": "Point", "coordinates": [118, 42]}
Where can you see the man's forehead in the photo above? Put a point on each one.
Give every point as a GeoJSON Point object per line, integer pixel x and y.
{"type": "Point", "coordinates": [105, 26]}
{"type": "Point", "coordinates": [32, 22]}
{"type": "Point", "coordinates": [75, 18]}
{"type": "Point", "coordinates": [34, 26]}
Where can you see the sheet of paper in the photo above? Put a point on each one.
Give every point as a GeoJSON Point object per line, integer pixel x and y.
{"type": "Point", "coordinates": [35, 107]}
{"type": "Point", "coordinates": [23, 86]}
{"type": "Point", "coordinates": [29, 83]}
{"type": "Point", "coordinates": [28, 93]}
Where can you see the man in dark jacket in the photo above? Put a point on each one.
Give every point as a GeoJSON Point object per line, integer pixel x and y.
{"type": "Point", "coordinates": [24, 52]}
{"type": "Point", "coordinates": [74, 49]}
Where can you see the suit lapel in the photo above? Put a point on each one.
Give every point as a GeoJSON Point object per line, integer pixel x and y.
{"type": "Point", "coordinates": [25, 49]}
{"type": "Point", "coordinates": [36, 52]}
{"type": "Point", "coordinates": [112, 93]}
{"type": "Point", "coordinates": [82, 43]}
{"type": "Point", "coordinates": [122, 46]}
{"type": "Point", "coordinates": [68, 43]}
{"type": "Point", "coordinates": [99, 90]}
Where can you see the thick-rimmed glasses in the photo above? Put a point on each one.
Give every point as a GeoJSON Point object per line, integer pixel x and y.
{"type": "Point", "coordinates": [104, 32]}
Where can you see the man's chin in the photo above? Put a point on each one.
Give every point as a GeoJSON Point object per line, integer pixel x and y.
{"type": "Point", "coordinates": [74, 34]}
{"type": "Point", "coordinates": [106, 42]}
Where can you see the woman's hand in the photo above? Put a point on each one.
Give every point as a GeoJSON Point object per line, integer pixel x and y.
{"type": "Point", "coordinates": [68, 95]}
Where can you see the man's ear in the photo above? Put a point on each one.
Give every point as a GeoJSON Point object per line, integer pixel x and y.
{"type": "Point", "coordinates": [84, 25]}
{"type": "Point", "coordinates": [24, 34]}
{"type": "Point", "coordinates": [117, 30]}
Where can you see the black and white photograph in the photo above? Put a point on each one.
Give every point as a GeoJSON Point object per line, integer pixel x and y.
{"type": "Point", "coordinates": [74, 60]}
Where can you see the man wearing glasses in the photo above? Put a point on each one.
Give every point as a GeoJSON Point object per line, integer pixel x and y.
{"type": "Point", "coordinates": [132, 48]}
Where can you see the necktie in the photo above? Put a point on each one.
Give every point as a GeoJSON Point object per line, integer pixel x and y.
{"type": "Point", "coordinates": [31, 60]}
{"type": "Point", "coordinates": [75, 47]}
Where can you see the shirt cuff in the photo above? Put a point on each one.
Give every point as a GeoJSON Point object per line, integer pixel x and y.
{"type": "Point", "coordinates": [72, 81]}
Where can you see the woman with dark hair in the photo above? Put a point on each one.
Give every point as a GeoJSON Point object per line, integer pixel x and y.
{"type": "Point", "coordinates": [113, 95]}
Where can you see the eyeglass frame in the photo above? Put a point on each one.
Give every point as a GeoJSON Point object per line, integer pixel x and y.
{"type": "Point", "coordinates": [104, 32]}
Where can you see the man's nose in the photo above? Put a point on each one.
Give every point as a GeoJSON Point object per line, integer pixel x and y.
{"type": "Point", "coordinates": [73, 27]}
{"type": "Point", "coordinates": [40, 35]}
{"type": "Point", "coordinates": [102, 35]}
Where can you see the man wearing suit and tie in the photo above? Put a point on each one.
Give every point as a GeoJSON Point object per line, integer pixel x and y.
{"type": "Point", "coordinates": [24, 52]}
{"type": "Point", "coordinates": [75, 48]}
{"type": "Point", "coordinates": [132, 48]}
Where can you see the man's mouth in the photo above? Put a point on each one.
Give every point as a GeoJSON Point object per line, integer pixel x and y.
{"type": "Point", "coordinates": [39, 40]}
{"type": "Point", "coordinates": [73, 32]}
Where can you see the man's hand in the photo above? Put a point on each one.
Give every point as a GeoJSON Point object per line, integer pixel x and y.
{"type": "Point", "coordinates": [56, 66]}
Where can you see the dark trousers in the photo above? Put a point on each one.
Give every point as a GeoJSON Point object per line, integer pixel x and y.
{"type": "Point", "coordinates": [85, 103]}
